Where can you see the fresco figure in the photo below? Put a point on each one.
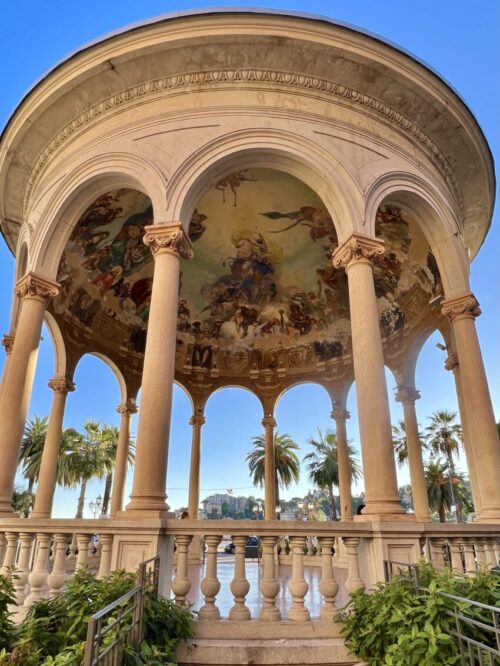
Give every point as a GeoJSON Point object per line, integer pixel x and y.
{"type": "Point", "coordinates": [233, 182]}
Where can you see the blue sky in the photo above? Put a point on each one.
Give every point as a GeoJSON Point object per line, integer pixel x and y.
{"type": "Point", "coordinates": [459, 39]}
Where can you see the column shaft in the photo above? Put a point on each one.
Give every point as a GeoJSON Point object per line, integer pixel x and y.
{"type": "Point", "coordinates": [197, 421]}
{"type": "Point", "coordinates": [407, 396]}
{"type": "Point", "coordinates": [379, 468]}
{"type": "Point", "coordinates": [269, 469]}
{"type": "Point", "coordinates": [126, 410]}
{"type": "Point", "coordinates": [47, 479]}
{"type": "Point", "coordinates": [18, 378]}
{"type": "Point", "coordinates": [452, 364]}
{"type": "Point", "coordinates": [168, 243]}
{"type": "Point", "coordinates": [480, 417]}
{"type": "Point", "coordinates": [340, 415]}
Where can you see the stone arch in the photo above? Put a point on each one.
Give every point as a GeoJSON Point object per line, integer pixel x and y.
{"type": "Point", "coordinates": [184, 389]}
{"type": "Point", "coordinates": [60, 361]}
{"type": "Point", "coordinates": [435, 218]}
{"type": "Point", "coordinates": [122, 386]}
{"type": "Point", "coordinates": [219, 389]}
{"type": "Point", "coordinates": [84, 185]}
{"type": "Point", "coordinates": [302, 382]}
{"type": "Point", "coordinates": [274, 149]}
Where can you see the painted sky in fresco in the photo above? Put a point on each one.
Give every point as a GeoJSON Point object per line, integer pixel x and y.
{"type": "Point", "coordinates": [457, 38]}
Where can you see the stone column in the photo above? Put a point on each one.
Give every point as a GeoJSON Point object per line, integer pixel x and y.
{"type": "Point", "coordinates": [168, 244]}
{"type": "Point", "coordinates": [481, 424]}
{"type": "Point", "coordinates": [381, 488]}
{"type": "Point", "coordinates": [35, 293]}
{"type": "Point", "coordinates": [197, 421]}
{"type": "Point", "coordinates": [407, 396]}
{"type": "Point", "coordinates": [452, 364]}
{"type": "Point", "coordinates": [125, 410]}
{"type": "Point", "coordinates": [47, 479]}
{"type": "Point", "coordinates": [340, 415]}
{"type": "Point", "coordinates": [269, 424]}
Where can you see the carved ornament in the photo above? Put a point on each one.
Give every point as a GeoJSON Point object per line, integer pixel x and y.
{"type": "Point", "coordinates": [197, 419]}
{"type": "Point", "coordinates": [168, 238]}
{"type": "Point", "coordinates": [8, 343]}
{"type": "Point", "coordinates": [127, 408]}
{"type": "Point", "coordinates": [269, 422]}
{"type": "Point", "coordinates": [273, 78]}
{"type": "Point", "coordinates": [357, 248]}
{"type": "Point", "coordinates": [464, 307]}
{"type": "Point", "coordinates": [339, 413]}
{"type": "Point", "coordinates": [451, 362]}
{"type": "Point", "coordinates": [406, 394]}
{"type": "Point", "coordinates": [34, 286]}
{"type": "Point", "coordinates": [61, 385]}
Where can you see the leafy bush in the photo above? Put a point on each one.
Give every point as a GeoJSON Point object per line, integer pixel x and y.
{"type": "Point", "coordinates": [54, 630]}
{"type": "Point", "coordinates": [399, 626]}
{"type": "Point", "coordinates": [6, 625]}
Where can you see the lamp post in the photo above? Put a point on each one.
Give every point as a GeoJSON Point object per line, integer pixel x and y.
{"type": "Point", "coordinates": [95, 506]}
{"type": "Point", "coordinates": [258, 510]}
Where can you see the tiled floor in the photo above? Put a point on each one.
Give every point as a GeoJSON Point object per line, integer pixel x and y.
{"type": "Point", "coordinates": [225, 573]}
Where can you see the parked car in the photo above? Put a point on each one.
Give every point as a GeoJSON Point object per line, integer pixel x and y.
{"type": "Point", "coordinates": [251, 550]}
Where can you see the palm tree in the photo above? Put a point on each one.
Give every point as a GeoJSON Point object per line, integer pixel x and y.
{"type": "Point", "coordinates": [323, 464]}
{"type": "Point", "coordinates": [32, 449]}
{"type": "Point", "coordinates": [286, 461]}
{"type": "Point", "coordinates": [22, 502]}
{"type": "Point", "coordinates": [444, 437]}
{"type": "Point", "coordinates": [445, 489]}
{"type": "Point", "coordinates": [109, 444]}
{"type": "Point", "coordinates": [400, 443]}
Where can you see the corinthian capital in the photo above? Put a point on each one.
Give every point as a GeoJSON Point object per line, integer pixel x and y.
{"type": "Point", "coordinates": [339, 413]}
{"type": "Point", "coordinates": [61, 385]}
{"type": "Point", "coordinates": [451, 362]}
{"type": "Point", "coordinates": [169, 238]}
{"type": "Point", "coordinates": [464, 307]}
{"type": "Point", "coordinates": [197, 419]}
{"type": "Point", "coordinates": [8, 343]}
{"type": "Point", "coordinates": [357, 248]}
{"type": "Point", "coordinates": [407, 394]}
{"type": "Point", "coordinates": [35, 286]}
{"type": "Point", "coordinates": [269, 421]}
{"type": "Point", "coordinates": [127, 408]}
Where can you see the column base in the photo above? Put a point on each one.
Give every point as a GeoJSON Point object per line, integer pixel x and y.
{"type": "Point", "coordinates": [386, 518]}
{"type": "Point", "coordinates": [147, 504]}
{"type": "Point", "coordinates": [489, 516]}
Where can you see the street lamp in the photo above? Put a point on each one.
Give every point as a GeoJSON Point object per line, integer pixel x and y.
{"type": "Point", "coordinates": [95, 506]}
{"type": "Point", "coordinates": [257, 509]}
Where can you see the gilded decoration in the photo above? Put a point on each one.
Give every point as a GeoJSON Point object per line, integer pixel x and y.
{"type": "Point", "coordinates": [261, 298]}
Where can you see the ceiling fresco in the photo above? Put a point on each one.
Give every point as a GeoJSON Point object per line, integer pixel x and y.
{"type": "Point", "coordinates": [261, 291]}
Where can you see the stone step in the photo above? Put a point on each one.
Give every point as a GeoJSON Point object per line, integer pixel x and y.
{"type": "Point", "coordinates": [270, 652]}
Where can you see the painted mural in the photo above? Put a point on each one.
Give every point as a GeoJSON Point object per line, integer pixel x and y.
{"type": "Point", "coordinates": [261, 282]}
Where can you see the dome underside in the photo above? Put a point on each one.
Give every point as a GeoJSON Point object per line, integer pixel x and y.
{"type": "Point", "coordinates": [260, 299]}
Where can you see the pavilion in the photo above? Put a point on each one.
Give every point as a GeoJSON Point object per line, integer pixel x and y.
{"type": "Point", "coordinates": [245, 198]}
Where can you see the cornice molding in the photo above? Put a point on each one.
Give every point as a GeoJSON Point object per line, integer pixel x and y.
{"type": "Point", "coordinates": [273, 78]}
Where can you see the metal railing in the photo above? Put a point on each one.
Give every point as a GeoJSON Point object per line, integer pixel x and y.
{"type": "Point", "coordinates": [121, 624]}
{"type": "Point", "coordinates": [477, 625]}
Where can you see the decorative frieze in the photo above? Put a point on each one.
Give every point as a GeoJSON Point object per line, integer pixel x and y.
{"type": "Point", "coordinates": [464, 307]}
{"type": "Point", "coordinates": [35, 286]}
{"type": "Point", "coordinates": [357, 248]}
{"type": "Point", "coordinates": [168, 238]}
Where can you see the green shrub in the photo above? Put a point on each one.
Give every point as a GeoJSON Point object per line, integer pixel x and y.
{"type": "Point", "coordinates": [6, 625]}
{"type": "Point", "coordinates": [396, 625]}
{"type": "Point", "coordinates": [54, 630]}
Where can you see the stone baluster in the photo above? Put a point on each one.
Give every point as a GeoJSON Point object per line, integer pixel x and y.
{"type": "Point", "coordinates": [210, 585]}
{"type": "Point", "coordinates": [239, 585]}
{"type": "Point", "coordinates": [480, 553]}
{"type": "Point", "coordinates": [106, 543]}
{"type": "Point", "coordinates": [38, 577]}
{"type": "Point", "coordinates": [489, 550]}
{"type": "Point", "coordinates": [456, 555]}
{"type": "Point", "coordinates": [57, 577]}
{"type": "Point", "coordinates": [82, 542]}
{"type": "Point", "coordinates": [328, 586]}
{"type": "Point", "coordinates": [470, 560]}
{"type": "Point", "coordinates": [298, 586]}
{"type": "Point", "coordinates": [3, 547]}
{"type": "Point", "coordinates": [269, 585]}
{"type": "Point", "coordinates": [23, 566]}
{"type": "Point", "coordinates": [437, 555]}
{"type": "Point", "coordinates": [181, 583]}
{"type": "Point", "coordinates": [354, 581]}
{"type": "Point", "coordinates": [10, 553]}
